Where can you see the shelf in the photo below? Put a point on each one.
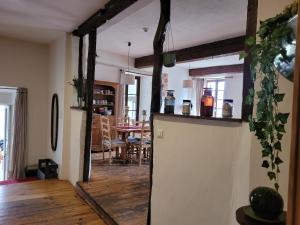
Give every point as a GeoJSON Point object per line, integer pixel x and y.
{"type": "Point", "coordinates": [104, 94]}
{"type": "Point", "coordinates": [95, 105]}
{"type": "Point", "coordinates": [226, 119]}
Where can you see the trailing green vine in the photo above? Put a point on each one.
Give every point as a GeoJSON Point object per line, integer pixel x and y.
{"type": "Point", "coordinates": [267, 122]}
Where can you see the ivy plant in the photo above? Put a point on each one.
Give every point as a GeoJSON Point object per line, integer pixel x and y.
{"type": "Point", "coordinates": [266, 121]}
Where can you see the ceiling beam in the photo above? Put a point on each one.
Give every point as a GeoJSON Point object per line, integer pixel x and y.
{"type": "Point", "coordinates": [112, 8]}
{"type": "Point", "coordinates": [239, 68]}
{"type": "Point", "coordinates": [224, 47]}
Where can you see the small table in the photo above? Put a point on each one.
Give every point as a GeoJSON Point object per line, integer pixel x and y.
{"type": "Point", "coordinates": [243, 219]}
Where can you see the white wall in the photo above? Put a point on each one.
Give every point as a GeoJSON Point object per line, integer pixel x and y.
{"type": "Point", "coordinates": [201, 171]}
{"type": "Point", "coordinates": [57, 59]}
{"type": "Point", "coordinates": [25, 64]}
{"type": "Point", "coordinates": [234, 90]}
{"type": "Point", "coordinates": [207, 176]}
{"type": "Point", "coordinates": [110, 73]}
{"type": "Point", "coordinates": [176, 75]}
{"type": "Point", "coordinates": [77, 137]}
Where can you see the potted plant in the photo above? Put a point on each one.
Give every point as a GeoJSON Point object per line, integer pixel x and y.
{"type": "Point", "coordinates": [266, 121]}
{"type": "Point", "coordinates": [78, 84]}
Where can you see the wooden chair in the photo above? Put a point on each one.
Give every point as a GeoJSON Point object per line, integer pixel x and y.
{"type": "Point", "coordinates": [143, 146]}
{"type": "Point", "coordinates": [107, 142]}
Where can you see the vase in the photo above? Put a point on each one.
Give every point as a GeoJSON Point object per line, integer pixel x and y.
{"type": "Point", "coordinates": [266, 203]}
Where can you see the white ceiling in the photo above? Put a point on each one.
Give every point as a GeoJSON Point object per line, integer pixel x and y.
{"type": "Point", "coordinates": [213, 61]}
{"type": "Point", "coordinates": [44, 20]}
{"type": "Point", "coordinates": [193, 22]}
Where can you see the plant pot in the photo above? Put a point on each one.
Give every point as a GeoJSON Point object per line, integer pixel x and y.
{"type": "Point", "coordinates": [169, 59]}
{"type": "Point", "coordinates": [266, 203]}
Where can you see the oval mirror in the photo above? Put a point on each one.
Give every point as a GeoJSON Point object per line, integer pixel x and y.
{"type": "Point", "coordinates": [54, 121]}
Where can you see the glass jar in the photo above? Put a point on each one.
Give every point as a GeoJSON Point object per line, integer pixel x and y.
{"type": "Point", "coordinates": [207, 103]}
{"type": "Point", "coordinates": [186, 107]}
{"type": "Point", "coordinates": [227, 108]}
{"type": "Point", "coordinates": [169, 102]}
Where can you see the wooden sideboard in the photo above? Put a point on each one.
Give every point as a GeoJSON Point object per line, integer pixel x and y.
{"type": "Point", "coordinates": [105, 99]}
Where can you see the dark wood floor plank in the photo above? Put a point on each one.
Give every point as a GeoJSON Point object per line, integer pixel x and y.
{"type": "Point", "coordinates": [121, 191]}
{"type": "Point", "coordinates": [49, 202]}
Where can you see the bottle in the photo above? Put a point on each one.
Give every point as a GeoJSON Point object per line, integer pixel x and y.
{"type": "Point", "coordinates": [169, 102]}
{"type": "Point", "coordinates": [207, 103]}
{"type": "Point", "coordinates": [186, 107]}
{"type": "Point", "coordinates": [227, 108]}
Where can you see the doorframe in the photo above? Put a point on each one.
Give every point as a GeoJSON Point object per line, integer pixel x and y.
{"type": "Point", "coordinates": [293, 213]}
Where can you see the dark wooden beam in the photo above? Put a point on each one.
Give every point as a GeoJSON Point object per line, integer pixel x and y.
{"type": "Point", "coordinates": [158, 43]}
{"type": "Point", "coordinates": [293, 212]}
{"type": "Point", "coordinates": [80, 68]}
{"type": "Point", "coordinates": [247, 80]}
{"type": "Point", "coordinates": [89, 102]}
{"type": "Point", "coordinates": [224, 47]}
{"type": "Point", "coordinates": [239, 68]}
{"type": "Point", "coordinates": [112, 8]}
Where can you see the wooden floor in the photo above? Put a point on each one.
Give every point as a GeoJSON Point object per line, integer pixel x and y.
{"type": "Point", "coordinates": [50, 202]}
{"type": "Point", "coordinates": [120, 191]}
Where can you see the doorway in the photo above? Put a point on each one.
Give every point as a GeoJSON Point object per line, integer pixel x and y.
{"type": "Point", "coordinates": [5, 140]}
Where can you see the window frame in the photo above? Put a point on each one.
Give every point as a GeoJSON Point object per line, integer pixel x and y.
{"type": "Point", "coordinates": [216, 81]}
{"type": "Point", "coordinates": [138, 88]}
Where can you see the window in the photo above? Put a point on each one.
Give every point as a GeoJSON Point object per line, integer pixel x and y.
{"type": "Point", "coordinates": [218, 87]}
{"type": "Point", "coordinates": [132, 98]}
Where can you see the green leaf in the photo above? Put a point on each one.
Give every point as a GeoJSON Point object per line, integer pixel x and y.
{"type": "Point", "coordinates": [251, 125]}
{"type": "Point", "coordinates": [278, 160]}
{"type": "Point", "coordinates": [279, 97]}
{"type": "Point", "coordinates": [277, 145]}
{"type": "Point", "coordinates": [265, 164]}
{"type": "Point", "coordinates": [280, 128]}
{"type": "Point", "coordinates": [272, 175]}
{"type": "Point", "coordinates": [243, 55]}
{"type": "Point", "coordinates": [276, 185]}
{"type": "Point", "coordinates": [250, 41]}
{"type": "Point", "coordinates": [279, 136]}
{"type": "Point", "coordinates": [282, 117]}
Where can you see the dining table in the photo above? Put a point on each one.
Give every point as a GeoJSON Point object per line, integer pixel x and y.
{"type": "Point", "coordinates": [124, 132]}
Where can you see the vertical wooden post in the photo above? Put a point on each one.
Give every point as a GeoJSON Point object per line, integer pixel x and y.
{"type": "Point", "coordinates": [80, 68]}
{"type": "Point", "coordinates": [89, 102]}
{"type": "Point", "coordinates": [158, 44]}
{"type": "Point", "coordinates": [293, 213]}
{"type": "Point", "coordinates": [247, 79]}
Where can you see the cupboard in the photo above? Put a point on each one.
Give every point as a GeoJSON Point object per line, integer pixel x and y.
{"type": "Point", "coordinates": [105, 102]}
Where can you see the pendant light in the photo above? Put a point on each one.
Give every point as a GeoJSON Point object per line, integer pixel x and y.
{"type": "Point", "coordinates": [129, 79]}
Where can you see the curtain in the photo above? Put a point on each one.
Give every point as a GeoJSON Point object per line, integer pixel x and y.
{"type": "Point", "coordinates": [19, 135]}
{"type": "Point", "coordinates": [121, 97]}
{"type": "Point", "coordinates": [199, 91]}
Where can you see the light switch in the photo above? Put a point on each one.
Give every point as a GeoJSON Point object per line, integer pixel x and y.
{"type": "Point", "coordinates": [160, 133]}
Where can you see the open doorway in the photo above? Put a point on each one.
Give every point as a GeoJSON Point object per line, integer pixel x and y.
{"type": "Point", "coordinates": [7, 97]}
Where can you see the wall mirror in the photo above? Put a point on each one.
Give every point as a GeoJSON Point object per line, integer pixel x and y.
{"type": "Point", "coordinates": [54, 121]}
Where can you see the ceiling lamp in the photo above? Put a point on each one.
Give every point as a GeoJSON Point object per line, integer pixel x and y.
{"type": "Point", "coordinates": [187, 84]}
{"type": "Point", "coordinates": [129, 79]}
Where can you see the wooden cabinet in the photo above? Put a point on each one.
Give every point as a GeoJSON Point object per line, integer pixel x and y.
{"type": "Point", "coordinates": [105, 103]}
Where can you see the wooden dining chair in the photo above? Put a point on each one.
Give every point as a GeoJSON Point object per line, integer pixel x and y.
{"type": "Point", "coordinates": [143, 146]}
{"type": "Point", "coordinates": [109, 144]}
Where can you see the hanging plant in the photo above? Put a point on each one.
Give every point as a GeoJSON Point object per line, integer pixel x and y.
{"type": "Point", "coordinates": [267, 122]}
{"type": "Point", "coordinates": [169, 57]}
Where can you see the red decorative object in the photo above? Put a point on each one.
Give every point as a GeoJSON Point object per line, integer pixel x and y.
{"type": "Point", "coordinates": [207, 103]}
